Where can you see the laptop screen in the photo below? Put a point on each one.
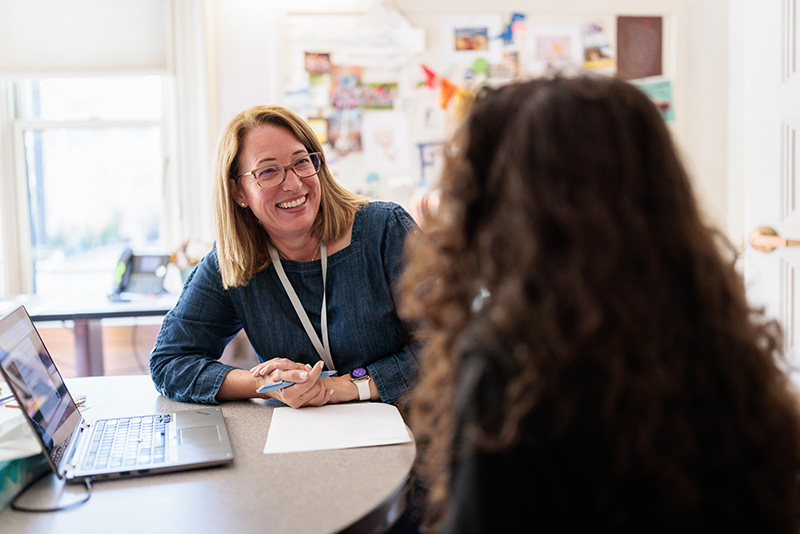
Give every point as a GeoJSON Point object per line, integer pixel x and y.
{"type": "Point", "coordinates": [32, 376]}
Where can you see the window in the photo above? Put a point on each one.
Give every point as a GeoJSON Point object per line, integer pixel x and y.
{"type": "Point", "coordinates": [91, 166]}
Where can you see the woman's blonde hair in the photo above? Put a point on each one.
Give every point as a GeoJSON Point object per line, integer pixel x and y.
{"type": "Point", "coordinates": [241, 240]}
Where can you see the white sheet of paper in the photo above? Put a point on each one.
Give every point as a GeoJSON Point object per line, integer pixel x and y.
{"type": "Point", "coordinates": [335, 426]}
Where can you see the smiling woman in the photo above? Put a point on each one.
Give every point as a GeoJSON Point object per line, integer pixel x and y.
{"type": "Point", "coordinates": [284, 203]}
{"type": "Point", "coordinates": [305, 267]}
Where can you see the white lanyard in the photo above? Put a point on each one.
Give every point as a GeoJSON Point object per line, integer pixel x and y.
{"type": "Point", "coordinates": [323, 349]}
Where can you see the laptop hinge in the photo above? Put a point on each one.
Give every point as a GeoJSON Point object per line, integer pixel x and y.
{"type": "Point", "coordinates": [69, 463]}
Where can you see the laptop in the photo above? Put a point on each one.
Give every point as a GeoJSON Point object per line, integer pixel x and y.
{"type": "Point", "coordinates": [77, 449]}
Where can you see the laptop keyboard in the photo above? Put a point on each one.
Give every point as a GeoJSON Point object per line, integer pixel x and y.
{"type": "Point", "coordinates": [126, 442]}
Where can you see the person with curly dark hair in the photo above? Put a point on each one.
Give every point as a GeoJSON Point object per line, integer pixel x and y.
{"type": "Point", "coordinates": [591, 359]}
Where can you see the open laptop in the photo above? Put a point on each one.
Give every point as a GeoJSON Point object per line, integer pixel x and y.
{"type": "Point", "coordinates": [78, 449]}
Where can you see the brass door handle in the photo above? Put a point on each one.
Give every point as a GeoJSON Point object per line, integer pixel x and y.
{"type": "Point", "coordinates": [766, 239]}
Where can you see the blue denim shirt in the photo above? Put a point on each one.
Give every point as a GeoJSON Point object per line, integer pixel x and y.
{"type": "Point", "coordinates": [363, 327]}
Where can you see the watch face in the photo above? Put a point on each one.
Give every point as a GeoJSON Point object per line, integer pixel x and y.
{"type": "Point", "coordinates": [358, 373]}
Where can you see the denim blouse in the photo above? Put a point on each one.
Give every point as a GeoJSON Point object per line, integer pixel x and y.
{"type": "Point", "coordinates": [364, 329]}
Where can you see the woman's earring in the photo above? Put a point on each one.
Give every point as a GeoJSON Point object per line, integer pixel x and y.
{"type": "Point", "coordinates": [244, 205]}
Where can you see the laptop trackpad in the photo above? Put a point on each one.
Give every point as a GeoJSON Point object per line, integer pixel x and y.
{"type": "Point", "coordinates": [200, 435]}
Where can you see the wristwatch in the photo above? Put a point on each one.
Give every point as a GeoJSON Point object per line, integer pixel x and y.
{"type": "Point", "coordinates": [360, 377]}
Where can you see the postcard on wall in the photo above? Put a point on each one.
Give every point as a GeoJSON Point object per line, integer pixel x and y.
{"type": "Point", "coordinates": [639, 47]}
{"type": "Point", "coordinates": [345, 86]}
{"type": "Point", "coordinates": [384, 136]}
{"type": "Point", "coordinates": [660, 92]}
{"type": "Point", "coordinates": [508, 69]}
{"type": "Point", "coordinates": [344, 130]}
{"type": "Point", "coordinates": [320, 127]}
{"type": "Point", "coordinates": [319, 90]}
{"type": "Point", "coordinates": [378, 95]}
{"type": "Point", "coordinates": [318, 62]}
{"type": "Point", "coordinates": [596, 48]}
{"type": "Point", "coordinates": [553, 47]}
{"type": "Point", "coordinates": [468, 37]}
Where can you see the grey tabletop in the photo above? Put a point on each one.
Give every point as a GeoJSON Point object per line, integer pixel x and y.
{"type": "Point", "coordinates": [89, 306]}
{"type": "Point", "coordinates": [304, 492]}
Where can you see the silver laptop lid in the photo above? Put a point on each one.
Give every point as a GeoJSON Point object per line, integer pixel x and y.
{"type": "Point", "coordinates": [39, 388]}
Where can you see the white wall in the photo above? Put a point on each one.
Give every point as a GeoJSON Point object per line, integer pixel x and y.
{"type": "Point", "coordinates": [705, 140]}
{"type": "Point", "coordinates": [248, 66]}
{"type": "Point", "coordinates": [735, 135]}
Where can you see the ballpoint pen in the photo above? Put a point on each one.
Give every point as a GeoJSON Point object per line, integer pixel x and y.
{"type": "Point", "coordinates": [285, 383]}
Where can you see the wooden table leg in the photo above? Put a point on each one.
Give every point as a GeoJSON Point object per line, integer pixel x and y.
{"type": "Point", "coordinates": [88, 347]}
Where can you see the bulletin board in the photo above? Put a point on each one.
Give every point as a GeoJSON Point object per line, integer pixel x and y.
{"type": "Point", "coordinates": [384, 98]}
{"type": "Point", "coordinates": [348, 76]}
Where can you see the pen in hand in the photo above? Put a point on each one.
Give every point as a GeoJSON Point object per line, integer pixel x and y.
{"type": "Point", "coordinates": [285, 383]}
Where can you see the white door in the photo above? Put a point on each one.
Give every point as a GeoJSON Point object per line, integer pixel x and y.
{"type": "Point", "coordinates": [771, 152]}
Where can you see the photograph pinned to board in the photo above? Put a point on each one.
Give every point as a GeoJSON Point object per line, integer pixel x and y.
{"type": "Point", "coordinates": [471, 38]}
{"type": "Point", "coordinates": [318, 62]}
{"type": "Point", "coordinates": [468, 37]}
{"type": "Point", "coordinates": [660, 92]}
{"type": "Point", "coordinates": [345, 86]}
{"type": "Point", "coordinates": [378, 95]}
{"type": "Point", "coordinates": [386, 151]}
{"type": "Point", "coordinates": [319, 90]}
{"type": "Point", "coordinates": [344, 130]}
{"type": "Point", "coordinates": [597, 53]}
{"type": "Point", "coordinates": [639, 47]}
{"type": "Point", "coordinates": [381, 135]}
{"type": "Point", "coordinates": [507, 70]}
{"type": "Point", "coordinates": [551, 48]}
{"type": "Point", "coordinates": [320, 127]}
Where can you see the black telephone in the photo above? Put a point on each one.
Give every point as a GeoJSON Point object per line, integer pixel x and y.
{"type": "Point", "coordinates": [136, 273]}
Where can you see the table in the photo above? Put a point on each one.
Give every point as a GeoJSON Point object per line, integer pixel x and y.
{"type": "Point", "coordinates": [86, 313]}
{"type": "Point", "coordinates": [350, 490]}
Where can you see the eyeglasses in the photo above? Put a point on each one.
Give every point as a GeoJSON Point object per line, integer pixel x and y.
{"type": "Point", "coordinates": [274, 174]}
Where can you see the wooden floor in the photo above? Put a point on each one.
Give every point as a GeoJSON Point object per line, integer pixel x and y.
{"type": "Point", "coordinates": [126, 349]}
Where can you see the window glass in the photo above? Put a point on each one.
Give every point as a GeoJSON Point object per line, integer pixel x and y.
{"type": "Point", "coordinates": [93, 189]}
{"type": "Point", "coordinates": [118, 98]}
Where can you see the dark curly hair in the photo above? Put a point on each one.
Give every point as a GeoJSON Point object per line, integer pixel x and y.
{"type": "Point", "coordinates": [586, 335]}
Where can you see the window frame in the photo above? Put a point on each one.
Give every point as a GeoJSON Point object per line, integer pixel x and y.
{"type": "Point", "coordinates": [188, 137]}
{"type": "Point", "coordinates": [16, 266]}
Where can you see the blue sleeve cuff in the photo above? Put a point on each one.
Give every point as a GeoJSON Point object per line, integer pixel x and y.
{"type": "Point", "coordinates": [395, 376]}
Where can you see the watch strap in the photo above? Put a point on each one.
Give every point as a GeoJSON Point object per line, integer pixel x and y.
{"type": "Point", "coordinates": [363, 389]}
